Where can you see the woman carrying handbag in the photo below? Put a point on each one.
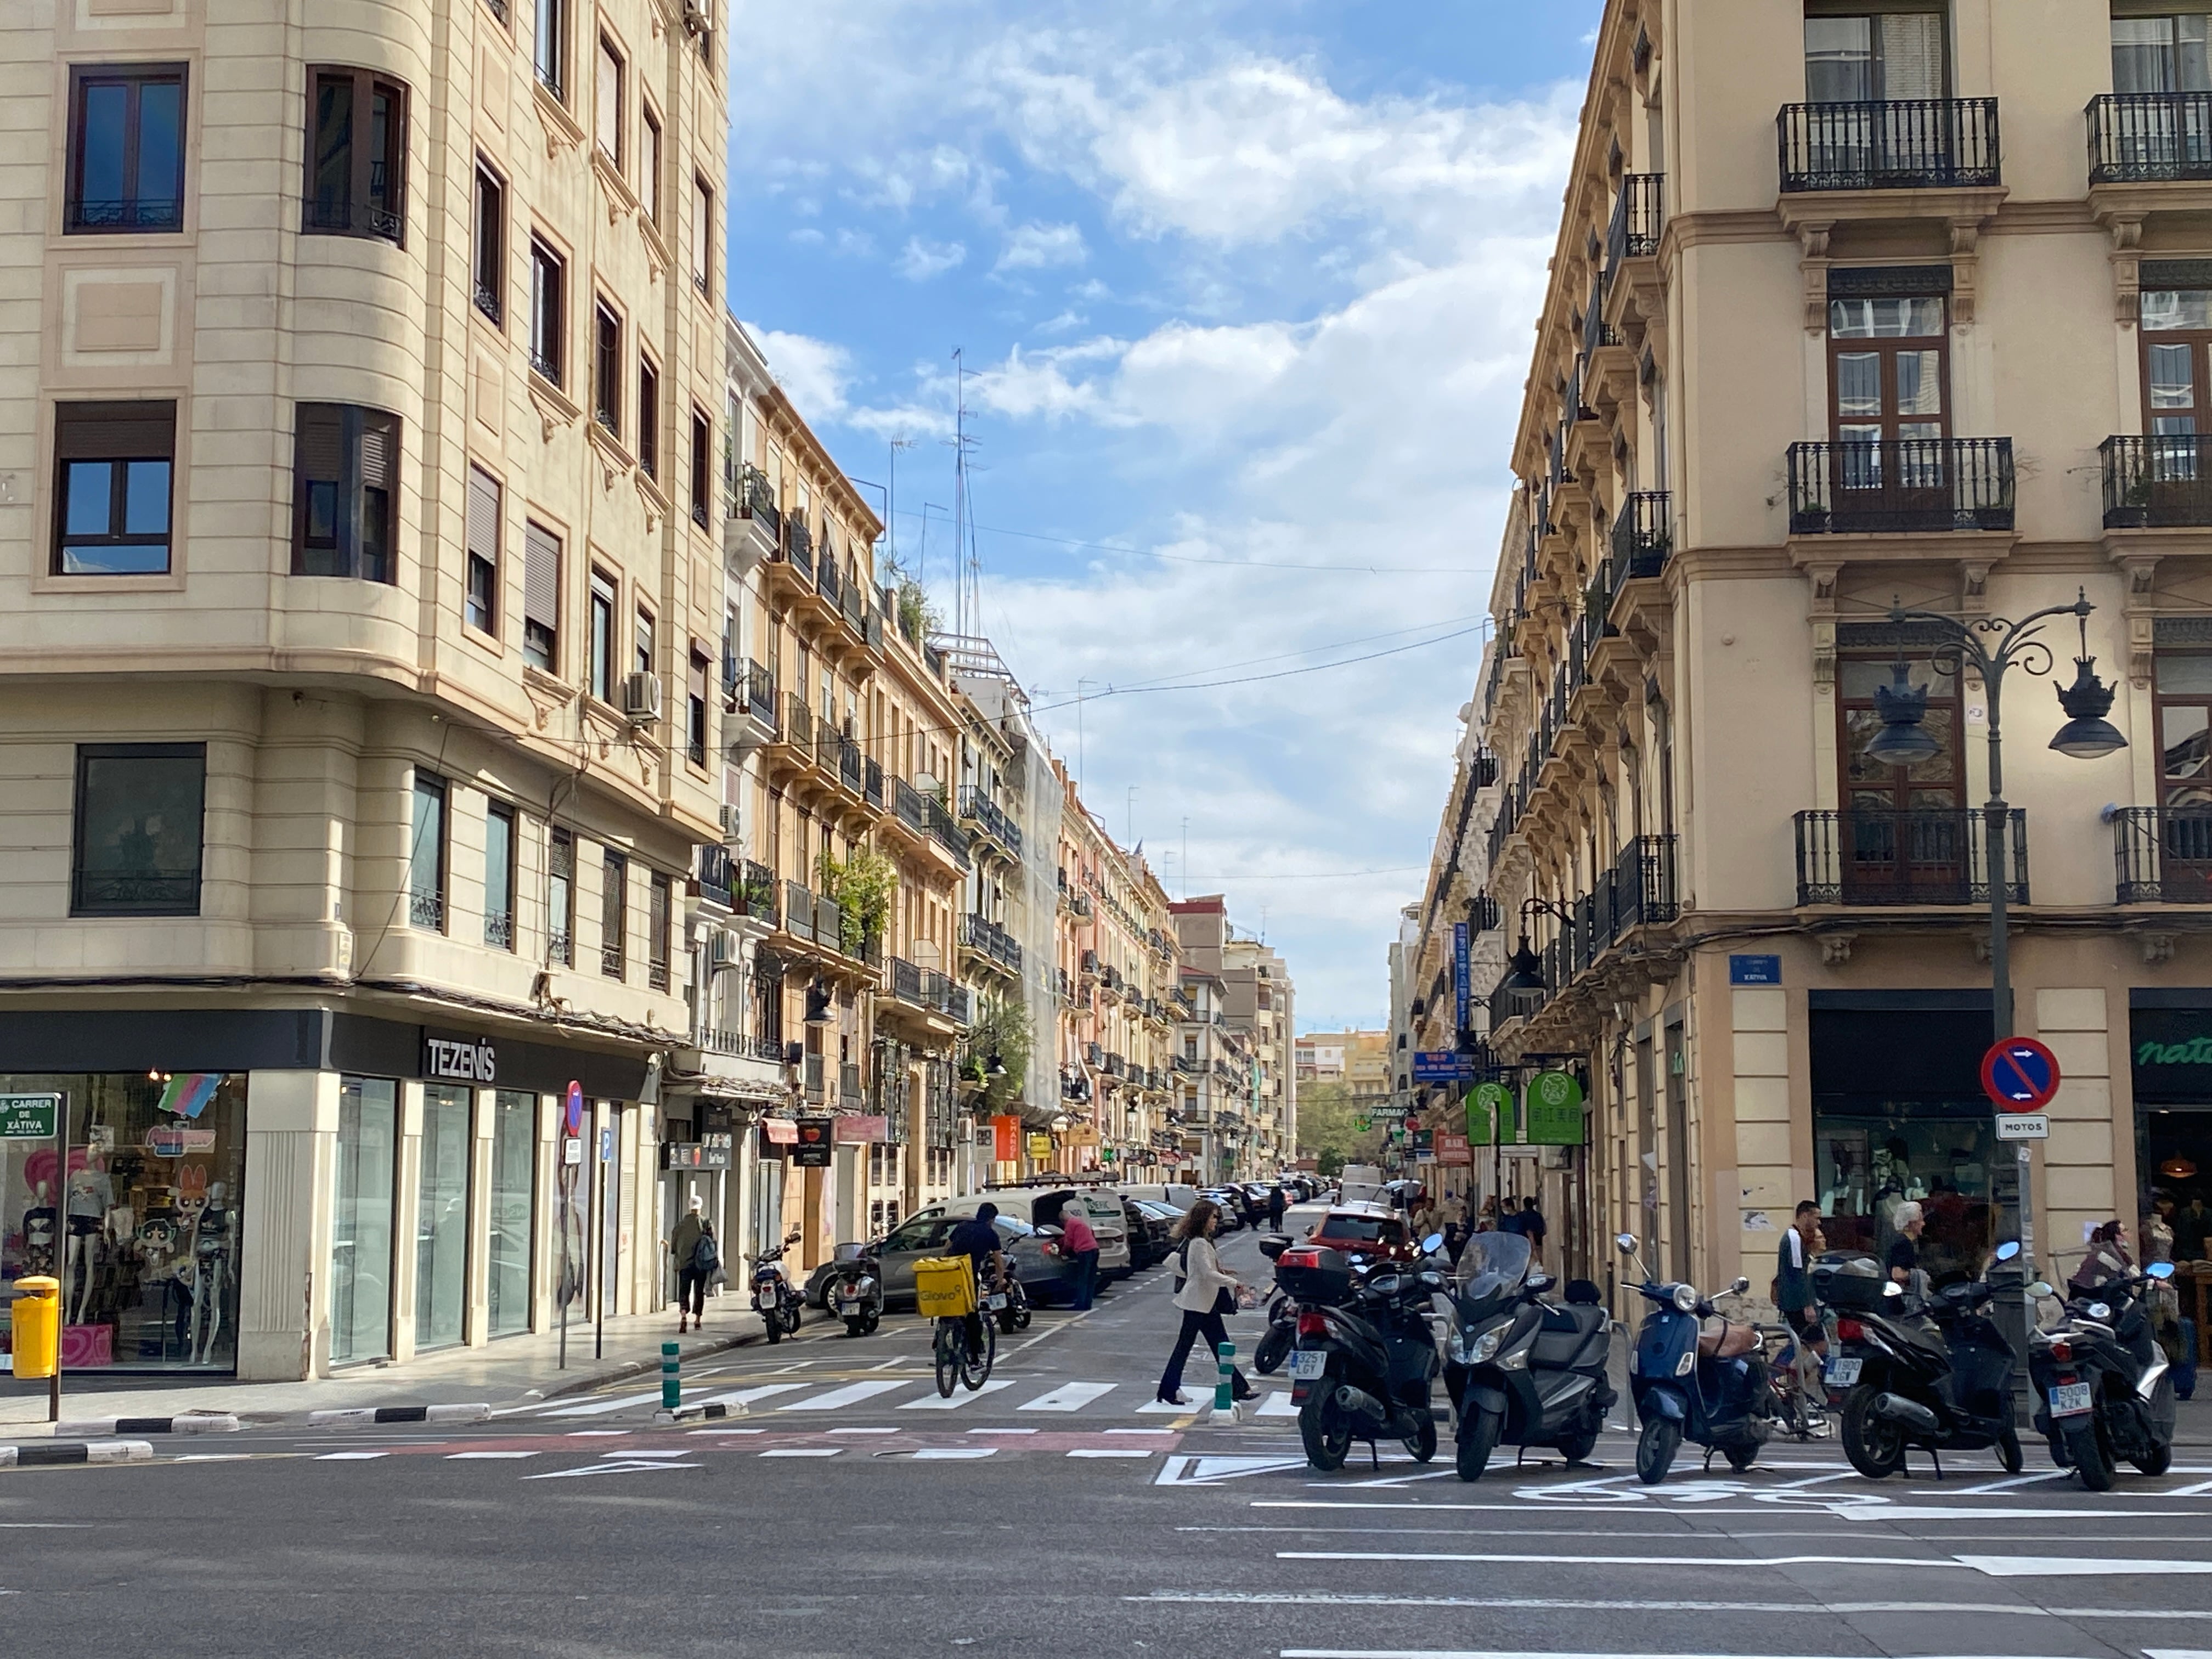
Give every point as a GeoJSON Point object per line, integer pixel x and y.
{"type": "Point", "coordinates": [1204, 1291]}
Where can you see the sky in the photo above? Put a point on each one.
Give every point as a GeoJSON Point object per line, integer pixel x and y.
{"type": "Point", "coordinates": [1243, 296]}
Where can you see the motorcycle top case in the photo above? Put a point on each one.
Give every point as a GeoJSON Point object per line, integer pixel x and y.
{"type": "Point", "coordinates": [1848, 1281]}
{"type": "Point", "coordinates": [1328, 1281]}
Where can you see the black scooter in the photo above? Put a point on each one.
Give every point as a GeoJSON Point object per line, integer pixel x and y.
{"type": "Point", "coordinates": [2104, 1388]}
{"type": "Point", "coordinates": [1926, 1371]}
{"type": "Point", "coordinates": [1523, 1371]}
{"type": "Point", "coordinates": [855, 1289]}
{"type": "Point", "coordinates": [1362, 1367]}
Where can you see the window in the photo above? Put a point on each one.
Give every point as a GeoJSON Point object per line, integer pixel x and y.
{"type": "Point", "coordinates": [484, 518]}
{"type": "Point", "coordinates": [602, 685]}
{"type": "Point", "coordinates": [2183, 692]}
{"type": "Point", "coordinates": [607, 103]}
{"type": "Point", "coordinates": [491, 243]}
{"type": "Point", "coordinates": [1889, 57]}
{"type": "Point", "coordinates": [560, 900]}
{"type": "Point", "coordinates": [2162, 54]}
{"type": "Point", "coordinates": [499, 876]}
{"type": "Point", "coordinates": [514, 1210]}
{"type": "Point", "coordinates": [356, 153]}
{"type": "Point", "coordinates": [112, 487]}
{"type": "Point", "coordinates": [660, 906]}
{"type": "Point", "coordinates": [702, 236]}
{"type": "Point", "coordinates": [136, 846]}
{"type": "Point", "coordinates": [346, 464]}
{"type": "Point", "coordinates": [614, 914]}
{"type": "Point", "coordinates": [366, 1186]}
{"type": "Point", "coordinates": [541, 598]}
{"type": "Point", "coordinates": [2177, 333]}
{"type": "Point", "coordinates": [702, 466]}
{"type": "Point", "coordinates": [550, 50]}
{"type": "Point", "coordinates": [643, 660]}
{"type": "Point", "coordinates": [548, 312]}
{"type": "Point", "coordinates": [1888, 366]}
{"type": "Point", "coordinates": [695, 711]}
{"type": "Point", "coordinates": [648, 418]}
{"type": "Point", "coordinates": [127, 155]}
{"type": "Point", "coordinates": [442, 1217]}
{"type": "Point", "coordinates": [606, 368]}
{"type": "Point", "coordinates": [648, 167]}
{"type": "Point", "coordinates": [426, 855]}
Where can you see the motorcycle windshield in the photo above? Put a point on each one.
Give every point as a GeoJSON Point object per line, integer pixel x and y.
{"type": "Point", "coordinates": [1494, 1264]}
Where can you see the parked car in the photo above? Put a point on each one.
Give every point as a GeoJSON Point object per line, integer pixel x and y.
{"type": "Point", "coordinates": [1036, 1261]}
{"type": "Point", "coordinates": [1369, 1229]}
{"type": "Point", "coordinates": [1231, 1201]}
{"type": "Point", "coordinates": [1177, 1196]}
{"type": "Point", "coordinates": [1151, 1230]}
{"type": "Point", "coordinates": [1040, 1206]}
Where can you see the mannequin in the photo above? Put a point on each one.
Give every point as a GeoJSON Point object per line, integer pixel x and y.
{"type": "Point", "coordinates": [91, 1196]}
{"type": "Point", "coordinates": [40, 1226]}
{"type": "Point", "coordinates": [211, 1250]}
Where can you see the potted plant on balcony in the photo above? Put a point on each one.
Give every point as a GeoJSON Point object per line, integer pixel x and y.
{"type": "Point", "coordinates": [861, 887]}
{"type": "Point", "coordinates": [995, 1056]}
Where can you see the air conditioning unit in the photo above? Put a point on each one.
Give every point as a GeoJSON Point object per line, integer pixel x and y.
{"type": "Point", "coordinates": [734, 824]}
{"type": "Point", "coordinates": [698, 17]}
{"type": "Point", "coordinates": [640, 699]}
{"type": "Point", "coordinates": [721, 950]}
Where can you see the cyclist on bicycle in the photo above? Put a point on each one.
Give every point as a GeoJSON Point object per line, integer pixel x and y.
{"type": "Point", "coordinates": [977, 1238]}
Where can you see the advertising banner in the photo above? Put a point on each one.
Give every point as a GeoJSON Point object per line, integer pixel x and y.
{"type": "Point", "coordinates": [1555, 1110]}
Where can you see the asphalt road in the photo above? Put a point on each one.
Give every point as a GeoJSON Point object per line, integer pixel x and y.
{"type": "Point", "coordinates": [851, 1512]}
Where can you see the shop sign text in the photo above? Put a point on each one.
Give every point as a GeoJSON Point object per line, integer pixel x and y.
{"type": "Point", "coordinates": [465, 1060]}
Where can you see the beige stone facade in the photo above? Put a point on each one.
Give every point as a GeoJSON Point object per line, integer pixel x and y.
{"type": "Point", "coordinates": [1817, 341]}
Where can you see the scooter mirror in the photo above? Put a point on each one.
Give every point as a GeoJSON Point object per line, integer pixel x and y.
{"type": "Point", "coordinates": [2161, 1270]}
{"type": "Point", "coordinates": [1893, 1289]}
{"type": "Point", "coordinates": [1739, 1287]}
{"type": "Point", "coordinates": [1272, 1248]}
{"type": "Point", "coordinates": [2009, 1250]}
{"type": "Point", "coordinates": [1432, 1243]}
{"type": "Point", "coordinates": [1625, 1242]}
{"type": "Point", "coordinates": [2041, 1288]}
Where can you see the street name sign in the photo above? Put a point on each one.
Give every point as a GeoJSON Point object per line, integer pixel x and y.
{"type": "Point", "coordinates": [1443, 1066]}
{"type": "Point", "coordinates": [28, 1117]}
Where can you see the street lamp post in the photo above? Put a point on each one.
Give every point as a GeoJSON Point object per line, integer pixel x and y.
{"type": "Point", "coordinates": [1991, 646]}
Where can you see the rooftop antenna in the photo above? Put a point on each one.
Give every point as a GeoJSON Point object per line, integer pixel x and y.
{"type": "Point", "coordinates": [1186, 858]}
{"type": "Point", "coordinates": [899, 445]}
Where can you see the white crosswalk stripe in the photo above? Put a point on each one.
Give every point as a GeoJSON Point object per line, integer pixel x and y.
{"type": "Point", "coordinates": [746, 1396]}
{"type": "Point", "coordinates": [959, 1397]}
{"type": "Point", "coordinates": [852, 1394]}
{"type": "Point", "coordinates": [1068, 1397]}
{"type": "Point", "coordinates": [1277, 1404]}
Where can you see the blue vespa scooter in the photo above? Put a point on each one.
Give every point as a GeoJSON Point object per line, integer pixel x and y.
{"type": "Point", "coordinates": [1712, 1389]}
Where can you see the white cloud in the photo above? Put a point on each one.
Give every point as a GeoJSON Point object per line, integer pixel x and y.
{"type": "Point", "coordinates": [921, 259]}
{"type": "Point", "coordinates": [814, 372]}
{"type": "Point", "coordinates": [1041, 247]}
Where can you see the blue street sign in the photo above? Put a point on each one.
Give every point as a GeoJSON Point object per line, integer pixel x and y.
{"type": "Point", "coordinates": [606, 1143]}
{"type": "Point", "coordinates": [1754, 970]}
{"type": "Point", "coordinates": [1443, 1066]}
{"type": "Point", "coordinates": [1462, 988]}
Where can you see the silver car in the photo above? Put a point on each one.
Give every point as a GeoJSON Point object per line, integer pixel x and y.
{"type": "Point", "coordinates": [930, 1234]}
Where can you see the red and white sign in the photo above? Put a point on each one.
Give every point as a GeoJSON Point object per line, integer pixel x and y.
{"type": "Point", "coordinates": [854, 1128]}
{"type": "Point", "coordinates": [2019, 1075]}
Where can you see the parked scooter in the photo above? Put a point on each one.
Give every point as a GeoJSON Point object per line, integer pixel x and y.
{"type": "Point", "coordinates": [1365, 1353]}
{"type": "Point", "coordinates": [1709, 1387]}
{"type": "Point", "coordinates": [2104, 1388]}
{"type": "Point", "coordinates": [1522, 1371]}
{"type": "Point", "coordinates": [774, 1298]}
{"type": "Point", "coordinates": [1282, 1332]}
{"type": "Point", "coordinates": [855, 1290]}
{"type": "Point", "coordinates": [1922, 1370]}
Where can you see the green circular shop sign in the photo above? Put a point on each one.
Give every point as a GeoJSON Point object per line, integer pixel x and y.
{"type": "Point", "coordinates": [1555, 1110]}
{"type": "Point", "coordinates": [1489, 1105]}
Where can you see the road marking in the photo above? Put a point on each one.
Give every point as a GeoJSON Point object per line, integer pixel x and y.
{"type": "Point", "coordinates": [628, 1467]}
{"type": "Point", "coordinates": [746, 1396]}
{"type": "Point", "coordinates": [1991, 1486]}
{"type": "Point", "coordinates": [2076, 1566]}
{"type": "Point", "coordinates": [955, 1401]}
{"type": "Point", "coordinates": [592, 1434]}
{"type": "Point", "coordinates": [673, 1451]}
{"type": "Point", "coordinates": [1277, 1404]}
{"type": "Point", "coordinates": [837, 1399]}
{"type": "Point", "coordinates": [1002, 1430]}
{"type": "Point", "coordinates": [1990, 1567]}
{"type": "Point", "coordinates": [1163, 1408]}
{"type": "Point", "coordinates": [1487, 1653]}
{"type": "Point", "coordinates": [942, 1453]}
{"type": "Point", "coordinates": [1111, 1451]}
{"type": "Point", "coordinates": [2197, 1491]}
{"type": "Point", "coordinates": [864, 1431]}
{"type": "Point", "coordinates": [1068, 1397]}
{"type": "Point", "coordinates": [803, 1451]}
{"type": "Point", "coordinates": [1189, 1471]}
{"type": "Point", "coordinates": [1140, 1430]}
{"type": "Point", "coordinates": [350, 1457]}
{"type": "Point", "coordinates": [486, 1456]}
{"type": "Point", "coordinates": [1579, 1604]}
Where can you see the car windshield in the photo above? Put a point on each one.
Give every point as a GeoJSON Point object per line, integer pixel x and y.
{"type": "Point", "coordinates": [1492, 1262]}
{"type": "Point", "coordinates": [1362, 1229]}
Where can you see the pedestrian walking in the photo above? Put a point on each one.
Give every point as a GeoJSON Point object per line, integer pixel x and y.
{"type": "Point", "coordinates": [1276, 1205]}
{"type": "Point", "coordinates": [1904, 1255]}
{"type": "Point", "coordinates": [1528, 1222]}
{"type": "Point", "coordinates": [1204, 1291]}
{"type": "Point", "coordinates": [684, 1252]}
{"type": "Point", "coordinates": [1793, 1296]}
{"type": "Point", "coordinates": [1081, 1244]}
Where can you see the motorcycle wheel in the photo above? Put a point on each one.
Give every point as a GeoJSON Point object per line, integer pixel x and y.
{"type": "Point", "coordinates": [1326, 1429]}
{"type": "Point", "coordinates": [857, 1325]}
{"type": "Point", "coordinates": [1422, 1442]}
{"type": "Point", "coordinates": [2092, 1461]}
{"type": "Point", "coordinates": [1740, 1458]}
{"type": "Point", "coordinates": [792, 1313]}
{"type": "Point", "coordinates": [2009, 1451]}
{"type": "Point", "coordinates": [1576, 1448]}
{"type": "Point", "coordinates": [1875, 1445]}
{"type": "Point", "coordinates": [1274, 1349]}
{"type": "Point", "coordinates": [874, 1318]}
{"type": "Point", "coordinates": [1655, 1448]}
{"type": "Point", "coordinates": [1475, 1446]}
{"type": "Point", "coordinates": [2160, 1461]}
{"type": "Point", "coordinates": [1020, 1310]}
{"type": "Point", "coordinates": [774, 1321]}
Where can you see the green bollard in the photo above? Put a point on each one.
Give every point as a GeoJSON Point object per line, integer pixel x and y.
{"type": "Point", "coordinates": [671, 1391]}
{"type": "Point", "coordinates": [1224, 1397]}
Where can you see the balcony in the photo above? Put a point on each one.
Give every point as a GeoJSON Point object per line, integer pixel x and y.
{"type": "Point", "coordinates": [1901, 486]}
{"type": "Point", "coordinates": [1919, 144]}
{"type": "Point", "coordinates": [989, 819]}
{"type": "Point", "coordinates": [789, 571]}
{"type": "Point", "coordinates": [2165, 854]}
{"type": "Point", "coordinates": [2149, 137]}
{"type": "Point", "coordinates": [852, 772]}
{"type": "Point", "coordinates": [1930, 855]}
{"type": "Point", "coordinates": [1639, 214]}
{"type": "Point", "coordinates": [872, 786]}
{"type": "Point", "coordinates": [991, 942]}
{"type": "Point", "coordinates": [752, 529]}
{"type": "Point", "coordinates": [2157, 483]}
{"type": "Point", "coordinates": [947, 833]}
{"type": "Point", "coordinates": [749, 690]}
{"type": "Point", "coordinates": [927, 989]}
{"type": "Point", "coordinates": [797, 910]}
{"type": "Point", "coordinates": [753, 895]}
{"type": "Point", "coordinates": [910, 807]}
{"type": "Point", "coordinates": [715, 880]}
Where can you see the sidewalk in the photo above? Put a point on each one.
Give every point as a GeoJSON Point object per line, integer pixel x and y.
{"type": "Point", "coordinates": [513, 1371]}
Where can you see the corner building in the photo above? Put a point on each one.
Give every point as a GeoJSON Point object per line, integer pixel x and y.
{"type": "Point", "coordinates": [1857, 305]}
{"type": "Point", "coordinates": [359, 546]}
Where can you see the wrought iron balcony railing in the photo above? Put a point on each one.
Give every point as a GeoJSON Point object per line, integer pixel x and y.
{"type": "Point", "coordinates": [1918, 143]}
{"type": "Point", "coordinates": [2165, 854]}
{"type": "Point", "coordinates": [2147, 137]}
{"type": "Point", "coordinates": [2162, 480]}
{"type": "Point", "coordinates": [1915, 856]}
{"type": "Point", "coordinates": [1639, 214]}
{"type": "Point", "coordinates": [1901, 484]}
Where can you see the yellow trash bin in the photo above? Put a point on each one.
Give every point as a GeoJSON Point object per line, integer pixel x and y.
{"type": "Point", "coordinates": [945, 1286]}
{"type": "Point", "coordinates": [34, 1326]}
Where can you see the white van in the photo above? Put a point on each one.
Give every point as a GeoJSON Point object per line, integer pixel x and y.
{"type": "Point", "coordinates": [1175, 1195]}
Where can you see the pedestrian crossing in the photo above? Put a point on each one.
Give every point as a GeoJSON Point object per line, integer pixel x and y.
{"type": "Point", "coordinates": [832, 1396]}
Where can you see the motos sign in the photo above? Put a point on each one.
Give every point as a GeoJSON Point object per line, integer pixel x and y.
{"type": "Point", "coordinates": [460, 1060]}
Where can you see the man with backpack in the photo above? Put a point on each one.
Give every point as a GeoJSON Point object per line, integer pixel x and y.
{"type": "Point", "coordinates": [692, 1249]}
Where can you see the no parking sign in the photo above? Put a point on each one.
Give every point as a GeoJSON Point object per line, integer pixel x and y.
{"type": "Point", "coordinates": [2019, 1075]}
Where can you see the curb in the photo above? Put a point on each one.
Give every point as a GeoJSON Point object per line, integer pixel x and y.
{"type": "Point", "coordinates": [191, 1423]}
{"type": "Point", "coordinates": [51, 1452]}
{"type": "Point", "coordinates": [584, 1382]}
{"type": "Point", "coordinates": [472, 1413]}
{"type": "Point", "coordinates": [696, 1413]}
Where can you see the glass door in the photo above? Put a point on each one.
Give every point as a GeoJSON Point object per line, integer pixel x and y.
{"type": "Point", "coordinates": [2177, 337]}
{"type": "Point", "coordinates": [1905, 837]}
{"type": "Point", "coordinates": [513, 1211]}
{"type": "Point", "coordinates": [1888, 370]}
{"type": "Point", "coordinates": [441, 1220]}
{"type": "Point", "coordinates": [361, 1233]}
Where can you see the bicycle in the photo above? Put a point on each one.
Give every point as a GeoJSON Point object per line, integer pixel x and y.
{"type": "Point", "coordinates": [953, 1362]}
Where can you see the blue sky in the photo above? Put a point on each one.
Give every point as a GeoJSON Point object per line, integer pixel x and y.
{"type": "Point", "coordinates": [1248, 288]}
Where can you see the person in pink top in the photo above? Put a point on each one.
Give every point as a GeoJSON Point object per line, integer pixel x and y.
{"type": "Point", "coordinates": [1082, 1247]}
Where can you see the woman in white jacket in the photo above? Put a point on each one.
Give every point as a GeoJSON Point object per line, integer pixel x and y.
{"type": "Point", "coordinates": [1206, 1291]}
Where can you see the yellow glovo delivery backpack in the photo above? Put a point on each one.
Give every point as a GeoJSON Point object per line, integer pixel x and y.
{"type": "Point", "coordinates": [945, 1286]}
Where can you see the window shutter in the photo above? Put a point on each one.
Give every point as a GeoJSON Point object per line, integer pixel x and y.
{"type": "Point", "coordinates": [607, 106]}
{"type": "Point", "coordinates": [483, 516]}
{"type": "Point", "coordinates": [115, 432]}
{"type": "Point", "coordinates": [540, 578]}
{"type": "Point", "coordinates": [380, 450]}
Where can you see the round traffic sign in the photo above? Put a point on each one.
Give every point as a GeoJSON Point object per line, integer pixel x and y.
{"type": "Point", "coordinates": [2019, 1075]}
{"type": "Point", "coordinates": [575, 1109]}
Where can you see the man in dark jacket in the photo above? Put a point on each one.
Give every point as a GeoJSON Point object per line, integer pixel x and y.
{"type": "Point", "coordinates": [977, 1238]}
{"type": "Point", "coordinates": [1276, 1206]}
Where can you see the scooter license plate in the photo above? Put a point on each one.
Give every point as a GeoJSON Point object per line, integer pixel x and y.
{"type": "Point", "coordinates": [851, 1302]}
{"type": "Point", "coordinates": [2071, 1400]}
{"type": "Point", "coordinates": [1309, 1364]}
{"type": "Point", "coordinates": [1845, 1373]}
{"type": "Point", "coordinates": [995, 1301]}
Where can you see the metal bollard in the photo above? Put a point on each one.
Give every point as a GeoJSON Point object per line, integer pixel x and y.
{"type": "Point", "coordinates": [671, 1391]}
{"type": "Point", "coordinates": [1225, 1390]}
